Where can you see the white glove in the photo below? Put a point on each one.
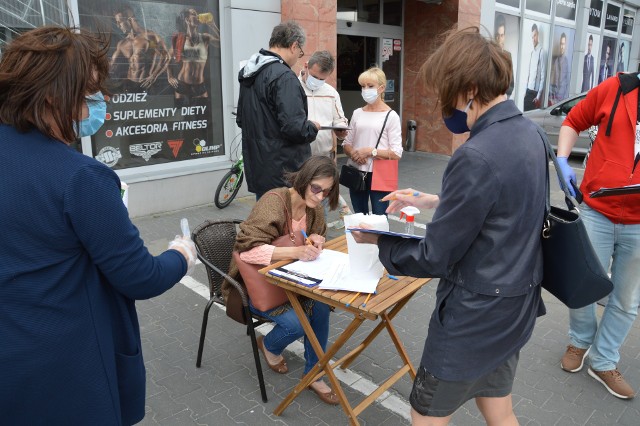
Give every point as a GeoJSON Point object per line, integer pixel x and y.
{"type": "Point", "coordinates": [188, 249]}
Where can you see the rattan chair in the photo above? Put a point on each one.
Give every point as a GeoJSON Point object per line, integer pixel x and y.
{"type": "Point", "coordinates": [214, 243]}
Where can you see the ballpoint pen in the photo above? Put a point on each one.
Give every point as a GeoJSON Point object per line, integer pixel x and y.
{"type": "Point", "coordinates": [353, 298]}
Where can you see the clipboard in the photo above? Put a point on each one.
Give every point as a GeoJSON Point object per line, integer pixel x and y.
{"type": "Point", "coordinates": [391, 233]}
{"type": "Point", "coordinates": [334, 128]}
{"type": "Point", "coordinates": [620, 190]}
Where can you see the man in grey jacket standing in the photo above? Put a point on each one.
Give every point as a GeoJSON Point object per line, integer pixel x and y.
{"type": "Point", "coordinates": [272, 111]}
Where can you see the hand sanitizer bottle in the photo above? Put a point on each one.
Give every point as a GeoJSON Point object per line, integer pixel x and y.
{"type": "Point", "coordinates": [410, 213]}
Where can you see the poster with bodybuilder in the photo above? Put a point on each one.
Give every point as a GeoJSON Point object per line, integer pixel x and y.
{"type": "Point", "coordinates": [166, 102]}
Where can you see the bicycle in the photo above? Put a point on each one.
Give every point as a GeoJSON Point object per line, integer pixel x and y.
{"type": "Point", "coordinates": [232, 181]}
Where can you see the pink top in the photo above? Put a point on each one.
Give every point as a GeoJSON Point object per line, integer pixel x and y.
{"type": "Point", "coordinates": [365, 128]}
{"type": "Point", "coordinates": [261, 255]}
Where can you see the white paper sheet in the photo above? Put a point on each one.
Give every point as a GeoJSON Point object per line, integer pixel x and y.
{"type": "Point", "coordinates": [318, 268]}
{"type": "Point", "coordinates": [363, 258]}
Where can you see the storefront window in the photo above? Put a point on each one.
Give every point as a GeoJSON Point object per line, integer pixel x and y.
{"type": "Point", "coordinates": [595, 13]}
{"type": "Point", "coordinates": [392, 12]}
{"type": "Point", "coordinates": [566, 9]}
{"type": "Point", "coordinates": [541, 6]}
{"type": "Point", "coordinates": [627, 22]}
{"type": "Point", "coordinates": [512, 3]}
{"type": "Point", "coordinates": [612, 17]}
{"type": "Point", "coordinates": [166, 98]}
{"type": "Point", "coordinates": [359, 10]}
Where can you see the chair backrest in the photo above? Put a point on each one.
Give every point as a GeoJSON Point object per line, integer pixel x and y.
{"type": "Point", "coordinates": [215, 240]}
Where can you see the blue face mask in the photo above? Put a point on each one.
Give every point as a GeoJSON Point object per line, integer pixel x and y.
{"type": "Point", "coordinates": [97, 114]}
{"type": "Point", "coordinates": [457, 122]}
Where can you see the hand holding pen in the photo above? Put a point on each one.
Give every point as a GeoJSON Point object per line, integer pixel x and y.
{"type": "Point", "coordinates": [410, 197]}
{"type": "Point", "coordinates": [308, 251]}
{"type": "Point", "coordinates": [314, 240]}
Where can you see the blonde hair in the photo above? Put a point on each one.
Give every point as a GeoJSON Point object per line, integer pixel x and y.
{"type": "Point", "coordinates": [373, 74]}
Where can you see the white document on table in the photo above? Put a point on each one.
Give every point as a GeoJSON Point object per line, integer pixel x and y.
{"type": "Point", "coordinates": [332, 267]}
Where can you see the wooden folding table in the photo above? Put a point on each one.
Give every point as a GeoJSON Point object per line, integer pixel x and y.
{"type": "Point", "coordinates": [390, 298]}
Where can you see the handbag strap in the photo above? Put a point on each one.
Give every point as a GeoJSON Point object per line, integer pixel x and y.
{"type": "Point", "coordinates": [287, 217]}
{"type": "Point", "coordinates": [383, 124]}
{"type": "Point", "coordinates": [563, 185]}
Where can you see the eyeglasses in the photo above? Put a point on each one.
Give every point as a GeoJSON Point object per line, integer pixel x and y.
{"type": "Point", "coordinates": [316, 189]}
{"type": "Point", "coordinates": [301, 54]}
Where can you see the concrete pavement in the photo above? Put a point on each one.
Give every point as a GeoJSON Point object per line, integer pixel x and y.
{"type": "Point", "coordinates": [224, 391]}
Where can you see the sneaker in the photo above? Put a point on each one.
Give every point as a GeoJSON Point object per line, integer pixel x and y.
{"type": "Point", "coordinates": [573, 359]}
{"type": "Point", "coordinates": [614, 382]}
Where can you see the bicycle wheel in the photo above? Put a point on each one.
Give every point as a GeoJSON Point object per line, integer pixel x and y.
{"type": "Point", "coordinates": [228, 188]}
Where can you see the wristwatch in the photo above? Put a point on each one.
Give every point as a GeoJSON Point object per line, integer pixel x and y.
{"type": "Point", "coordinates": [374, 152]}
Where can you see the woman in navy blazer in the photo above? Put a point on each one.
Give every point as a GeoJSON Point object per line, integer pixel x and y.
{"type": "Point", "coordinates": [71, 261]}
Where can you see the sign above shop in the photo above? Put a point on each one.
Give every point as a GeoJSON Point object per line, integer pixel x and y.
{"type": "Point", "coordinates": [595, 13]}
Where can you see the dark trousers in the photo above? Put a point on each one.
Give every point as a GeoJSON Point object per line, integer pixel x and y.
{"type": "Point", "coordinates": [360, 199]}
{"type": "Point", "coordinates": [528, 103]}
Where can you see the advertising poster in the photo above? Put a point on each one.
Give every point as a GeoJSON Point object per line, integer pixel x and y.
{"type": "Point", "coordinates": [506, 34]}
{"type": "Point", "coordinates": [588, 75]}
{"type": "Point", "coordinates": [622, 63]}
{"type": "Point", "coordinates": [165, 81]}
{"type": "Point", "coordinates": [532, 80]}
{"type": "Point", "coordinates": [607, 55]}
{"type": "Point", "coordinates": [561, 54]}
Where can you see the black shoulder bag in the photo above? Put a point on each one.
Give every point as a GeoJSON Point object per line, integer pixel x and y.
{"type": "Point", "coordinates": [572, 271]}
{"type": "Point", "coordinates": [356, 179]}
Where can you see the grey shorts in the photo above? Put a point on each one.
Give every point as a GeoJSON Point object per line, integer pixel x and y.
{"type": "Point", "coordinates": [433, 397]}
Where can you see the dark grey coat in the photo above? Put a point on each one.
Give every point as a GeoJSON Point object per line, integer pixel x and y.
{"type": "Point", "coordinates": [272, 113]}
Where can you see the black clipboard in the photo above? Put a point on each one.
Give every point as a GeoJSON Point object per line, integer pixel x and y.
{"type": "Point", "coordinates": [620, 190]}
{"type": "Point", "coordinates": [391, 233]}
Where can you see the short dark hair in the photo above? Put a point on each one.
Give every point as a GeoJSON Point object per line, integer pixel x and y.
{"type": "Point", "coordinates": [48, 72]}
{"type": "Point", "coordinates": [590, 37]}
{"type": "Point", "coordinates": [563, 36]}
{"type": "Point", "coordinates": [316, 167]}
{"type": "Point", "coordinates": [286, 33]}
{"type": "Point", "coordinates": [534, 27]}
{"type": "Point", "coordinates": [464, 61]}
{"type": "Point", "coordinates": [324, 60]}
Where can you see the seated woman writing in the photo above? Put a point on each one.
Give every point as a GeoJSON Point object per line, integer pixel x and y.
{"type": "Point", "coordinates": [280, 212]}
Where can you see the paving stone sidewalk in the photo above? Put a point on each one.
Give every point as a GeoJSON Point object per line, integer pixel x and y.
{"type": "Point", "coordinates": [224, 391]}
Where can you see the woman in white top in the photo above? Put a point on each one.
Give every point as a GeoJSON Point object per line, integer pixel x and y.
{"type": "Point", "coordinates": [360, 144]}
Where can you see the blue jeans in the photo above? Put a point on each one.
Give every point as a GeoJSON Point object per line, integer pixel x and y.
{"type": "Point", "coordinates": [619, 246]}
{"type": "Point", "coordinates": [288, 329]}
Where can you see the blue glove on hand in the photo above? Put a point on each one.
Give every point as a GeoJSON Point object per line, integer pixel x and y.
{"type": "Point", "coordinates": [568, 174]}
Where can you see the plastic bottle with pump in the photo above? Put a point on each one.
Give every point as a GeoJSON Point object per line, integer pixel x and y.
{"type": "Point", "coordinates": [409, 213]}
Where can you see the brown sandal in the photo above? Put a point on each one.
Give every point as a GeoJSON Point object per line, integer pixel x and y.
{"type": "Point", "coordinates": [281, 367]}
{"type": "Point", "coordinates": [328, 398]}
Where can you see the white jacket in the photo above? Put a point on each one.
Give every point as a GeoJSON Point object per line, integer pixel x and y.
{"type": "Point", "coordinates": [325, 108]}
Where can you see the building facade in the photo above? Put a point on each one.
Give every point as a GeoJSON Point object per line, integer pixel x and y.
{"type": "Point", "coordinates": [170, 131]}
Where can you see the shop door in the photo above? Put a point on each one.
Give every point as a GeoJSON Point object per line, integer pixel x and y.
{"type": "Point", "coordinates": [358, 53]}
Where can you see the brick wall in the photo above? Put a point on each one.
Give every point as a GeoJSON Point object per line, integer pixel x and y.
{"type": "Point", "coordinates": [318, 18]}
{"type": "Point", "coordinates": [423, 23]}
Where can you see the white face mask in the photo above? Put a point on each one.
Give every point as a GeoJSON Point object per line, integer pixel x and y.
{"type": "Point", "coordinates": [370, 95]}
{"type": "Point", "coordinates": [313, 83]}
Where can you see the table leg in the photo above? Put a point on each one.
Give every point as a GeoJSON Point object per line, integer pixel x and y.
{"type": "Point", "coordinates": [348, 359]}
{"type": "Point", "coordinates": [323, 360]}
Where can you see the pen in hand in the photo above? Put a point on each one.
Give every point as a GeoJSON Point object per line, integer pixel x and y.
{"type": "Point", "coordinates": [307, 241]}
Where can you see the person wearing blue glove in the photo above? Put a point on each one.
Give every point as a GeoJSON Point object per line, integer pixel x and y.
{"type": "Point", "coordinates": [568, 173]}
{"type": "Point", "coordinates": [612, 223]}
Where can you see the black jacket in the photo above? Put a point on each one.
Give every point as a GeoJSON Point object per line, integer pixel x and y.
{"type": "Point", "coordinates": [272, 113]}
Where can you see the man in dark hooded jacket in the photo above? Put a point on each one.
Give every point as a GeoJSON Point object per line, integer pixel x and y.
{"type": "Point", "coordinates": [272, 111]}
